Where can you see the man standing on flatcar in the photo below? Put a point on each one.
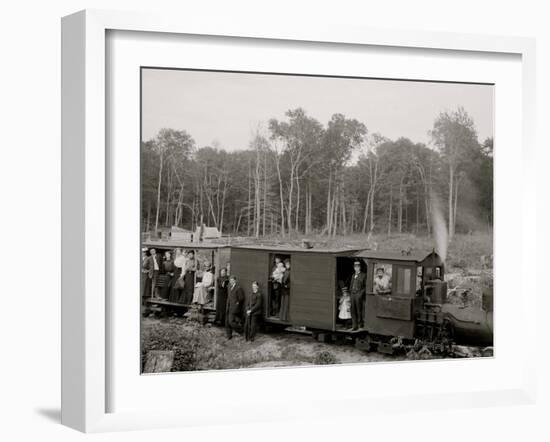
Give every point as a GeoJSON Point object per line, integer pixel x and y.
{"type": "Point", "coordinates": [152, 265]}
{"type": "Point", "coordinates": [235, 305]}
{"type": "Point", "coordinates": [358, 285]}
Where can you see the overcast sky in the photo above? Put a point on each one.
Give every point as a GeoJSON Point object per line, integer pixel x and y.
{"type": "Point", "coordinates": [224, 108]}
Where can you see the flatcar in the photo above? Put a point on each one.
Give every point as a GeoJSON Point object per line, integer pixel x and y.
{"type": "Point", "coordinates": [218, 255]}
{"type": "Point", "coordinates": [413, 312]}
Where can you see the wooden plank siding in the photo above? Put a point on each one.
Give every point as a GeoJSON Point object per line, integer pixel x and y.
{"type": "Point", "coordinates": [312, 292]}
{"type": "Point", "coordinates": [248, 266]}
{"type": "Point", "coordinates": [386, 326]}
{"type": "Point", "coordinates": [391, 315]}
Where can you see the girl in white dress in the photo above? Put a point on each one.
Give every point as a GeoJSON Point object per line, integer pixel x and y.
{"type": "Point", "coordinates": [344, 308]}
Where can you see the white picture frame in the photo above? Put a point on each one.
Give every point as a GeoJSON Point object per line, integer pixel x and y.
{"type": "Point", "coordinates": [85, 312]}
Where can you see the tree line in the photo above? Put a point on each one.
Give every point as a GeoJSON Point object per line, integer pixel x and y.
{"type": "Point", "coordinates": [300, 176]}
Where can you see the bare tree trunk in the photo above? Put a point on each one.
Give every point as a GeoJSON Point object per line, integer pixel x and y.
{"type": "Point", "coordinates": [451, 189]}
{"type": "Point", "coordinates": [265, 193]}
{"type": "Point", "coordinates": [278, 165]}
{"type": "Point", "coordinates": [297, 203]}
{"type": "Point", "coordinates": [249, 199]}
{"type": "Point", "coordinates": [239, 222]}
{"type": "Point", "coordinates": [306, 215]}
{"type": "Point", "coordinates": [335, 206]}
{"type": "Point", "coordinates": [158, 190]}
{"type": "Point", "coordinates": [223, 201]}
{"type": "Point", "coordinates": [455, 204]}
{"type": "Point", "coordinates": [290, 194]}
{"type": "Point", "coordinates": [148, 224]}
{"type": "Point", "coordinates": [352, 219]}
{"type": "Point", "coordinates": [344, 221]}
{"type": "Point", "coordinates": [391, 205]}
{"type": "Point", "coordinates": [366, 212]}
{"type": "Point", "coordinates": [417, 210]}
{"type": "Point", "coordinates": [310, 203]}
{"type": "Point", "coordinates": [373, 194]}
{"type": "Point", "coordinates": [168, 195]}
{"type": "Point", "coordinates": [400, 208]}
{"type": "Point", "coordinates": [329, 208]}
{"type": "Point", "coordinates": [257, 195]}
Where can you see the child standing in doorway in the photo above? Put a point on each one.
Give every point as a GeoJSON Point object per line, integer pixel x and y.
{"type": "Point", "coordinates": [344, 308]}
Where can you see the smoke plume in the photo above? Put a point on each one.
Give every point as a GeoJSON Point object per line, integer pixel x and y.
{"type": "Point", "coordinates": [439, 227]}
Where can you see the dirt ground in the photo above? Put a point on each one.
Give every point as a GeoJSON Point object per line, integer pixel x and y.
{"type": "Point", "coordinates": [273, 349]}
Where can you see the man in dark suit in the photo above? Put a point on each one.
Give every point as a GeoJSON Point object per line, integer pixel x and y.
{"type": "Point", "coordinates": [144, 276]}
{"type": "Point", "coordinates": [358, 286]}
{"type": "Point", "coordinates": [152, 266]}
{"type": "Point", "coordinates": [234, 310]}
{"type": "Point", "coordinates": [253, 312]}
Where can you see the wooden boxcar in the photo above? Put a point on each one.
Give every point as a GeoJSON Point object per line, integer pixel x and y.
{"type": "Point", "coordinates": [318, 275]}
{"type": "Point", "coordinates": [313, 288]}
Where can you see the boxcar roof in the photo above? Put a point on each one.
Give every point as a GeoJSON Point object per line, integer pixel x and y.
{"type": "Point", "coordinates": [174, 244]}
{"type": "Point", "coordinates": [295, 249]}
{"type": "Point", "coordinates": [388, 255]}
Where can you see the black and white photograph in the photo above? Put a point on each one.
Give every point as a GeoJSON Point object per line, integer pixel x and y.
{"type": "Point", "coordinates": [305, 220]}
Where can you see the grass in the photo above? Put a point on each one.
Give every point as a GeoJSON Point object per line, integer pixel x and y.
{"type": "Point", "coordinates": [198, 347]}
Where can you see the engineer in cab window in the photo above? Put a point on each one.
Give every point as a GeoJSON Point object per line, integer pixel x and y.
{"type": "Point", "coordinates": [382, 285]}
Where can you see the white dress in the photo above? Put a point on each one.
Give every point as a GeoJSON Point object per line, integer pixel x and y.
{"type": "Point", "coordinates": [345, 307]}
{"type": "Point", "coordinates": [200, 295]}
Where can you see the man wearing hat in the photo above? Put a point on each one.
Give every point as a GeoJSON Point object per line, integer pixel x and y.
{"type": "Point", "coordinates": [357, 285]}
{"type": "Point", "coordinates": [234, 309]}
{"type": "Point", "coordinates": [144, 274]}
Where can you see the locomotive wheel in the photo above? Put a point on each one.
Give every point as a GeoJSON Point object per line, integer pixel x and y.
{"type": "Point", "coordinates": [447, 330]}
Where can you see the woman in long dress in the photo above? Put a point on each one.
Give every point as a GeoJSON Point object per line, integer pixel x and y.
{"type": "Point", "coordinates": [179, 266]}
{"type": "Point", "coordinates": [200, 295]}
{"type": "Point", "coordinates": [221, 301]}
{"type": "Point", "coordinates": [285, 292]}
{"type": "Point", "coordinates": [167, 272]}
{"type": "Point", "coordinates": [189, 278]}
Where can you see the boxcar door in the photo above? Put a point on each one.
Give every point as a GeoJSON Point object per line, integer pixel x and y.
{"type": "Point", "coordinates": [251, 265]}
{"type": "Point", "coordinates": [312, 290]}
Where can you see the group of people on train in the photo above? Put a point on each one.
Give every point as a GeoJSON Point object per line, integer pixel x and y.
{"type": "Point", "coordinates": [234, 310]}
{"type": "Point", "coordinates": [179, 280]}
{"type": "Point", "coordinates": [351, 304]}
{"type": "Point", "coordinates": [173, 278]}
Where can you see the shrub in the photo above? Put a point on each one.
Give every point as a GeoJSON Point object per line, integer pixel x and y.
{"type": "Point", "coordinates": [325, 358]}
{"type": "Point", "coordinates": [183, 340]}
